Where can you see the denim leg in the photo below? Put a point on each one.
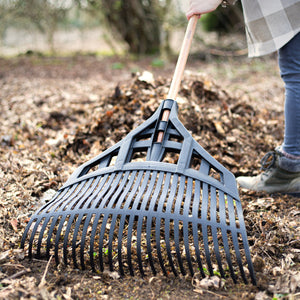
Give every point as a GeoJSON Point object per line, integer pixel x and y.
{"type": "Point", "coordinates": [289, 63]}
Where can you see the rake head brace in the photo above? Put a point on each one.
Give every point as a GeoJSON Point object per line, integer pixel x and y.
{"type": "Point", "coordinates": [143, 203]}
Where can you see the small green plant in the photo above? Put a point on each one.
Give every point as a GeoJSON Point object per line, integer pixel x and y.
{"type": "Point", "coordinates": [206, 271]}
{"type": "Point", "coordinates": [157, 62]}
{"type": "Point", "coordinates": [279, 296]}
{"type": "Point", "coordinates": [117, 66]}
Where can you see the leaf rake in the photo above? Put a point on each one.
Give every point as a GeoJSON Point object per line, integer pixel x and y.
{"type": "Point", "coordinates": [154, 199]}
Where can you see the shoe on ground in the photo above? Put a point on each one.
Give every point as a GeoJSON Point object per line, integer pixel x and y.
{"type": "Point", "coordinates": [280, 175]}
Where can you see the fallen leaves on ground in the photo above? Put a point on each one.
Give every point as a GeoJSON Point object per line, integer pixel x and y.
{"type": "Point", "coordinates": [50, 126]}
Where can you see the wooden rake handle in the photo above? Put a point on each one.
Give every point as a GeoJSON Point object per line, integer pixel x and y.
{"type": "Point", "coordinates": [181, 62]}
{"type": "Point", "coordinates": [183, 56]}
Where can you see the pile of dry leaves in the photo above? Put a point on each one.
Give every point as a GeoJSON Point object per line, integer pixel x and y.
{"type": "Point", "coordinates": [51, 122]}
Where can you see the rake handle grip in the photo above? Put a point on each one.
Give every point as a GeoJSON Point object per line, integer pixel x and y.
{"type": "Point", "coordinates": [182, 59]}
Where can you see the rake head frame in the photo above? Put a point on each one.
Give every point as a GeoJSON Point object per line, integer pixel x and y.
{"type": "Point", "coordinates": [142, 196]}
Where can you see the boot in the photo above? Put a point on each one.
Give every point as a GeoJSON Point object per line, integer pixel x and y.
{"type": "Point", "coordinates": [280, 175]}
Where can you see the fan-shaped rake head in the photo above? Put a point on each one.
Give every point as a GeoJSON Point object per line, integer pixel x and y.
{"type": "Point", "coordinates": [144, 204]}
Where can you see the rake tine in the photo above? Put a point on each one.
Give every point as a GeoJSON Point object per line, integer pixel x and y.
{"type": "Point", "coordinates": [138, 244]}
{"type": "Point", "coordinates": [148, 238]}
{"type": "Point", "coordinates": [140, 220]}
{"type": "Point", "coordinates": [104, 222]}
{"type": "Point", "coordinates": [114, 218]}
{"type": "Point", "coordinates": [103, 227]}
{"type": "Point", "coordinates": [87, 191]}
{"type": "Point", "coordinates": [131, 221]}
{"type": "Point", "coordinates": [186, 245]}
{"type": "Point", "coordinates": [158, 247]}
{"type": "Point", "coordinates": [204, 226]}
{"type": "Point", "coordinates": [52, 226]}
{"type": "Point", "coordinates": [26, 232]}
{"type": "Point", "coordinates": [57, 237]}
{"type": "Point", "coordinates": [97, 217]}
{"type": "Point", "coordinates": [176, 238]}
{"type": "Point", "coordinates": [110, 240]}
{"type": "Point", "coordinates": [206, 248]}
{"type": "Point", "coordinates": [92, 240]}
{"type": "Point", "coordinates": [129, 237]}
{"type": "Point", "coordinates": [176, 221]}
{"type": "Point", "coordinates": [45, 223]}
{"type": "Point", "coordinates": [196, 205]}
{"type": "Point", "coordinates": [87, 222]}
{"type": "Point", "coordinates": [118, 205]}
{"type": "Point", "coordinates": [167, 239]}
{"type": "Point", "coordinates": [234, 236]}
{"type": "Point", "coordinates": [81, 191]}
{"type": "Point", "coordinates": [163, 196]}
{"type": "Point", "coordinates": [74, 240]}
{"type": "Point", "coordinates": [37, 222]}
{"type": "Point", "coordinates": [114, 193]}
{"type": "Point", "coordinates": [149, 219]}
{"type": "Point", "coordinates": [82, 242]}
{"type": "Point", "coordinates": [213, 219]}
{"type": "Point", "coordinates": [224, 234]}
{"type": "Point", "coordinates": [228, 256]}
{"type": "Point", "coordinates": [245, 241]}
{"type": "Point", "coordinates": [238, 255]}
{"type": "Point", "coordinates": [123, 218]}
{"type": "Point", "coordinates": [187, 202]}
{"type": "Point", "coordinates": [168, 220]}
{"type": "Point", "coordinates": [66, 236]}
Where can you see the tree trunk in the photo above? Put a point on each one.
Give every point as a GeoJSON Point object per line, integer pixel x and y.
{"type": "Point", "coordinates": [138, 22]}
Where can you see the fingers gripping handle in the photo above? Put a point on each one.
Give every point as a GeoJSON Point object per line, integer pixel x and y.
{"type": "Point", "coordinates": [181, 62]}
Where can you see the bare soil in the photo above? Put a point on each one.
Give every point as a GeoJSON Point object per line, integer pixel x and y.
{"type": "Point", "coordinates": [58, 112]}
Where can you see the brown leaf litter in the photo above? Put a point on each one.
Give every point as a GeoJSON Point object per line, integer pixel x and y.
{"type": "Point", "coordinates": [49, 126]}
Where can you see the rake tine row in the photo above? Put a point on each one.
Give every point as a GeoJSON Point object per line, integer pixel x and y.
{"type": "Point", "coordinates": [155, 202]}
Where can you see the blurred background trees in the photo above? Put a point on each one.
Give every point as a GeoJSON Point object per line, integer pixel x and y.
{"type": "Point", "coordinates": [143, 26]}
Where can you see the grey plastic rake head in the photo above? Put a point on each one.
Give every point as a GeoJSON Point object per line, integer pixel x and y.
{"type": "Point", "coordinates": [156, 198]}
{"type": "Point", "coordinates": [141, 204]}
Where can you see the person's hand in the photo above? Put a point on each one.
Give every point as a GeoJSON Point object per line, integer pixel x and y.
{"type": "Point", "coordinates": [199, 7]}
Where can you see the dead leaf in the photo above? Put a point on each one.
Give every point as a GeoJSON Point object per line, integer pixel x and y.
{"type": "Point", "coordinates": [4, 255]}
{"type": "Point", "coordinates": [113, 275]}
{"type": "Point", "coordinates": [14, 224]}
{"type": "Point", "coordinates": [219, 127]}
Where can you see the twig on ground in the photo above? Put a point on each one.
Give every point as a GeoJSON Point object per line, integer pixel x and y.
{"type": "Point", "coordinates": [16, 275]}
{"type": "Point", "coordinates": [43, 280]}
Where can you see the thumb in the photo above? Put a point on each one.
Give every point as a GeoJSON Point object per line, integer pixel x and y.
{"type": "Point", "coordinates": [189, 14]}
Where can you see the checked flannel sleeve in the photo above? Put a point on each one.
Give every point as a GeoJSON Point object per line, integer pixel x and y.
{"type": "Point", "coordinates": [270, 24]}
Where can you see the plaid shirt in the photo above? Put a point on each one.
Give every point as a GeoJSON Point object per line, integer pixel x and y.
{"type": "Point", "coordinates": [270, 24]}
